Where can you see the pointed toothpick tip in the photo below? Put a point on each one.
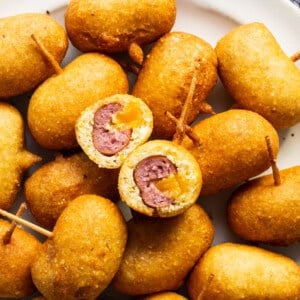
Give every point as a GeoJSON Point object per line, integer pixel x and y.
{"type": "Point", "coordinates": [275, 170]}
{"type": "Point", "coordinates": [25, 223]}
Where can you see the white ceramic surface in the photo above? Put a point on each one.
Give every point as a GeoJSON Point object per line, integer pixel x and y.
{"type": "Point", "coordinates": [209, 19]}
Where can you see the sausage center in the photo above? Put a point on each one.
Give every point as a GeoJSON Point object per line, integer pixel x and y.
{"type": "Point", "coordinates": [146, 173]}
{"type": "Point", "coordinates": [106, 140]}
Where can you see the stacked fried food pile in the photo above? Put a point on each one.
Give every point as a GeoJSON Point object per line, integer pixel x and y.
{"type": "Point", "coordinates": [139, 147]}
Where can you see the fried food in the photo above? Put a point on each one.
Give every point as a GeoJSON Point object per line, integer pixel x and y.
{"type": "Point", "coordinates": [259, 75]}
{"type": "Point", "coordinates": [231, 271]}
{"type": "Point", "coordinates": [109, 130]}
{"type": "Point", "coordinates": [164, 296]}
{"type": "Point", "coordinates": [262, 212]}
{"type": "Point", "coordinates": [14, 159]}
{"type": "Point", "coordinates": [22, 66]}
{"type": "Point", "coordinates": [52, 187]}
{"type": "Point", "coordinates": [16, 258]}
{"type": "Point", "coordinates": [232, 148]}
{"type": "Point", "coordinates": [85, 252]}
{"type": "Point", "coordinates": [58, 102]}
{"type": "Point", "coordinates": [165, 79]}
{"type": "Point", "coordinates": [161, 252]}
{"type": "Point", "coordinates": [114, 25]}
{"type": "Point", "coordinates": [160, 178]}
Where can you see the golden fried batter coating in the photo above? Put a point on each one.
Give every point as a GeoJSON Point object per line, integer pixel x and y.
{"type": "Point", "coordinates": [240, 271]}
{"type": "Point", "coordinates": [258, 74]}
{"type": "Point", "coordinates": [51, 188]}
{"type": "Point", "coordinates": [113, 25]}
{"type": "Point", "coordinates": [22, 66]}
{"type": "Point", "coordinates": [85, 251]}
{"type": "Point", "coordinates": [164, 296]}
{"type": "Point", "coordinates": [167, 194]}
{"type": "Point", "coordinates": [58, 102]}
{"type": "Point", "coordinates": [14, 159]}
{"type": "Point", "coordinates": [166, 76]}
{"type": "Point", "coordinates": [16, 258]}
{"type": "Point", "coordinates": [129, 126]}
{"type": "Point", "coordinates": [232, 148]}
{"type": "Point", "coordinates": [259, 211]}
{"type": "Point", "coordinates": [161, 252]}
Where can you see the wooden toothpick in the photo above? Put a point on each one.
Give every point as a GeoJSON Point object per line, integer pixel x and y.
{"type": "Point", "coordinates": [30, 225]}
{"type": "Point", "coordinates": [188, 129]}
{"type": "Point", "coordinates": [295, 56]}
{"type": "Point", "coordinates": [7, 236]}
{"type": "Point", "coordinates": [180, 128]}
{"type": "Point", "coordinates": [47, 55]}
{"type": "Point", "coordinates": [275, 170]}
{"type": "Point", "coordinates": [136, 53]}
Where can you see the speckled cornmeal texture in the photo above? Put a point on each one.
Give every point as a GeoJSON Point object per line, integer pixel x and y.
{"type": "Point", "coordinates": [164, 296]}
{"type": "Point", "coordinates": [245, 272]}
{"type": "Point", "coordinates": [258, 74]}
{"type": "Point", "coordinates": [165, 79]}
{"type": "Point", "coordinates": [139, 133]}
{"type": "Point", "coordinates": [112, 25]}
{"type": "Point", "coordinates": [85, 251]}
{"type": "Point", "coordinates": [161, 252]}
{"type": "Point", "coordinates": [58, 102]}
{"type": "Point", "coordinates": [232, 149]}
{"type": "Point", "coordinates": [186, 185]}
{"type": "Point", "coordinates": [16, 258]}
{"type": "Point", "coordinates": [259, 211]}
{"type": "Point", "coordinates": [22, 66]}
{"type": "Point", "coordinates": [50, 189]}
{"type": "Point", "coordinates": [14, 159]}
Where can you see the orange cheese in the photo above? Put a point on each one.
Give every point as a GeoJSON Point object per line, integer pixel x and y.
{"type": "Point", "coordinates": [172, 186]}
{"type": "Point", "coordinates": [129, 117]}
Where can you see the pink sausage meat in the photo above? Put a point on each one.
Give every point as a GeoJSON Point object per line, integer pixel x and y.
{"type": "Point", "coordinates": [149, 170]}
{"type": "Point", "coordinates": [106, 141]}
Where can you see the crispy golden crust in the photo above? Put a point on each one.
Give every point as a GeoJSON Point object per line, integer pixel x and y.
{"type": "Point", "coordinates": [188, 184]}
{"type": "Point", "coordinates": [164, 296]}
{"type": "Point", "coordinates": [165, 78]}
{"type": "Point", "coordinates": [58, 102]}
{"type": "Point", "coordinates": [14, 159]}
{"type": "Point", "coordinates": [85, 251]}
{"type": "Point", "coordinates": [161, 252]}
{"type": "Point", "coordinates": [233, 148]}
{"type": "Point", "coordinates": [261, 78]}
{"type": "Point", "coordinates": [15, 261]}
{"type": "Point", "coordinates": [22, 66]}
{"type": "Point", "coordinates": [112, 25]}
{"type": "Point", "coordinates": [259, 211]}
{"type": "Point", "coordinates": [52, 187]}
{"type": "Point", "coordinates": [244, 271]}
{"type": "Point", "coordinates": [139, 134]}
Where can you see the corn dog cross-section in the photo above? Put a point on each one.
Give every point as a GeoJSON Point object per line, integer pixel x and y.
{"type": "Point", "coordinates": [112, 128]}
{"type": "Point", "coordinates": [160, 178]}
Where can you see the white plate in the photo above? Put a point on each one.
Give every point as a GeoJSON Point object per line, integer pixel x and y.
{"type": "Point", "coordinates": [209, 19]}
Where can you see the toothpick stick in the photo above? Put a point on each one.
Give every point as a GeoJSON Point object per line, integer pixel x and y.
{"type": "Point", "coordinates": [136, 53]}
{"type": "Point", "coordinates": [206, 286]}
{"type": "Point", "coordinates": [32, 226]}
{"type": "Point", "coordinates": [10, 231]}
{"type": "Point", "coordinates": [295, 56]}
{"type": "Point", "coordinates": [188, 129]}
{"type": "Point", "coordinates": [275, 170]}
{"type": "Point", "coordinates": [47, 55]}
{"type": "Point", "coordinates": [179, 134]}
